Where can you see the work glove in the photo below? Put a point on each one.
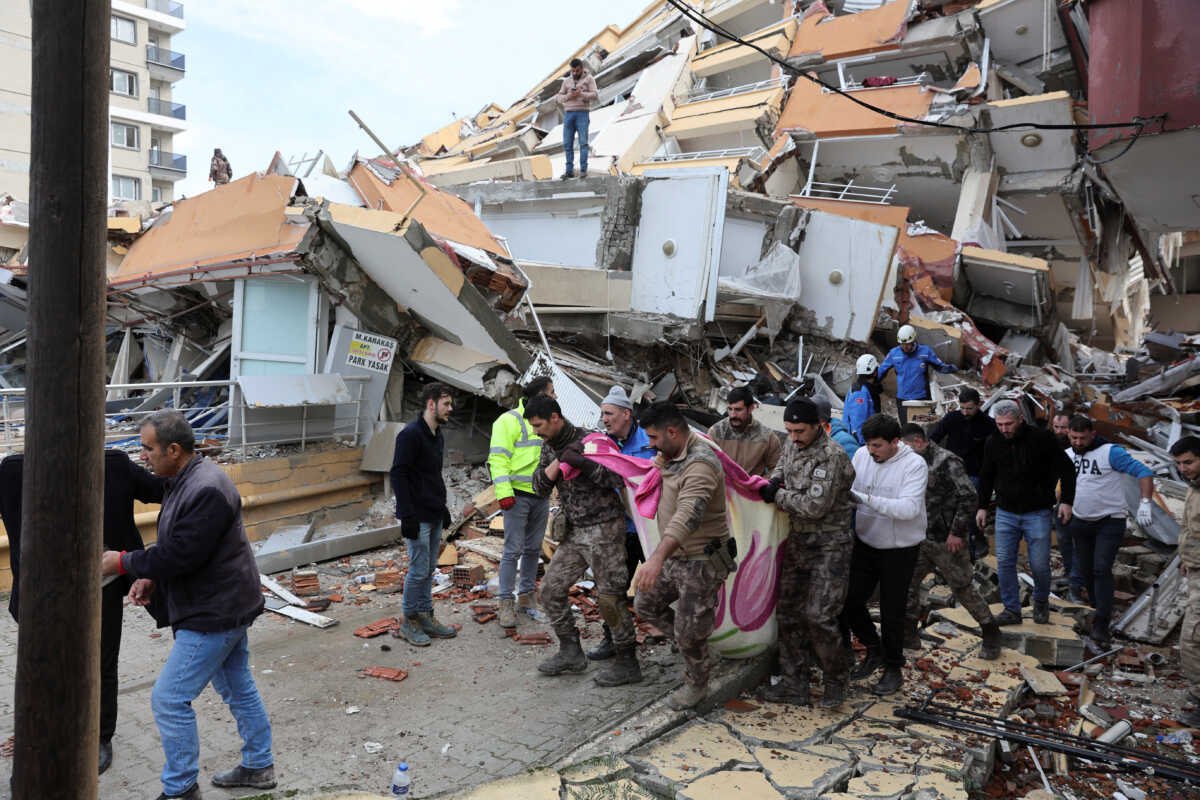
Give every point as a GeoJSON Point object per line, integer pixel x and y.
{"type": "Point", "coordinates": [574, 457]}
{"type": "Point", "coordinates": [768, 492]}
{"type": "Point", "coordinates": [447, 520]}
{"type": "Point", "coordinates": [507, 502]}
{"type": "Point", "coordinates": [1145, 512]}
{"type": "Point", "coordinates": [410, 527]}
{"type": "Point", "coordinates": [859, 497]}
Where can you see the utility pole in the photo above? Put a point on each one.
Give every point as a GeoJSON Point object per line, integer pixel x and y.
{"type": "Point", "coordinates": [58, 649]}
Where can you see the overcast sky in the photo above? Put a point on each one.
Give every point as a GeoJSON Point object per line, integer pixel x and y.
{"type": "Point", "coordinates": [280, 75]}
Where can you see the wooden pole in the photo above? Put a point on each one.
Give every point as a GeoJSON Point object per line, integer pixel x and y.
{"type": "Point", "coordinates": [58, 650]}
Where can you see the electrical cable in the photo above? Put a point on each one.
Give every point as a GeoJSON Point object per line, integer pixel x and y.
{"type": "Point", "coordinates": [700, 19]}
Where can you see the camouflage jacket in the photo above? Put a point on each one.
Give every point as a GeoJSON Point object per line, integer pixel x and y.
{"type": "Point", "coordinates": [816, 483]}
{"type": "Point", "coordinates": [1189, 534]}
{"type": "Point", "coordinates": [589, 499]}
{"type": "Point", "coordinates": [950, 497]}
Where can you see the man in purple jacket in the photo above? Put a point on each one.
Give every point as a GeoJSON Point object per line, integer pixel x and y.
{"type": "Point", "coordinates": [203, 570]}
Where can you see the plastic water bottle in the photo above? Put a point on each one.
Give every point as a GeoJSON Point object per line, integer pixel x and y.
{"type": "Point", "coordinates": [401, 780]}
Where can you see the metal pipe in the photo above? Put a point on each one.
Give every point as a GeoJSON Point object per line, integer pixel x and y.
{"type": "Point", "coordinates": [400, 167]}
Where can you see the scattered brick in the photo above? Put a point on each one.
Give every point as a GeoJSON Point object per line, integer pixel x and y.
{"type": "Point", "coordinates": [387, 673]}
{"type": "Point", "coordinates": [336, 598]}
{"type": "Point", "coordinates": [317, 604]}
{"type": "Point", "coordinates": [738, 704]}
{"type": "Point", "coordinates": [534, 638]}
{"type": "Point", "coordinates": [377, 628]}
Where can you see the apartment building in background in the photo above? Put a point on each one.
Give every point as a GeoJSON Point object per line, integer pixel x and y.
{"type": "Point", "coordinates": [144, 117]}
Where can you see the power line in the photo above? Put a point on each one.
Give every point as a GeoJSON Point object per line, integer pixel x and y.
{"type": "Point", "coordinates": [700, 19]}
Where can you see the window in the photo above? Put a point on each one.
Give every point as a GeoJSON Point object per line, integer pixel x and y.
{"type": "Point", "coordinates": [156, 194]}
{"type": "Point", "coordinates": [124, 135]}
{"type": "Point", "coordinates": [123, 30]}
{"type": "Point", "coordinates": [123, 82]}
{"type": "Point", "coordinates": [125, 188]}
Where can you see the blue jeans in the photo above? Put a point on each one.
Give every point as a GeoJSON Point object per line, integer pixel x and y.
{"type": "Point", "coordinates": [524, 528]}
{"type": "Point", "coordinates": [1070, 554]}
{"type": "Point", "coordinates": [576, 122]}
{"type": "Point", "coordinates": [196, 659]}
{"type": "Point", "coordinates": [422, 555]}
{"type": "Point", "coordinates": [1096, 545]}
{"type": "Point", "coordinates": [1035, 528]}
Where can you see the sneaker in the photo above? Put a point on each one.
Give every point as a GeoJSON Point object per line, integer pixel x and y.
{"type": "Point", "coordinates": [244, 776]}
{"type": "Point", "coordinates": [1041, 612]}
{"type": "Point", "coordinates": [686, 696]}
{"type": "Point", "coordinates": [410, 630]}
{"type": "Point", "coordinates": [191, 794]}
{"type": "Point", "coordinates": [1008, 617]}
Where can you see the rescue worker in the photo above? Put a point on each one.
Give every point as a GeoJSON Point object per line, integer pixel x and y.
{"type": "Point", "coordinates": [836, 429]}
{"type": "Point", "coordinates": [512, 456]}
{"type": "Point", "coordinates": [596, 539]}
{"type": "Point", "coordinates": [747, 441]}
{"type": "Point", "coordinates": [694, 555]}
{"type": "Point", "coordinates": [862, 402]}
{"type": "Point", "coordinates": [1186, 453]}
{"type": "Point", "coordinates": [616, 415]}
{"type": "Point", "coordinates": [812, 484]}
{"type": "Point", "coordinates": [911, 362]}
{"type": "Point", "coordinates": [950, 500]}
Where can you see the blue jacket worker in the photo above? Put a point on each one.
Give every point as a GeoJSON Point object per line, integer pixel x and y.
{"type": "Point", "coordinates": [862, 402]}
{"type": "Point", "coordinates": [911, 362]}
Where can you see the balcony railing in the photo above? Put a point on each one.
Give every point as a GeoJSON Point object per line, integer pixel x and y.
{"type": "Point", "coordinates": [820, 190]}
{"type": "Point", "coordinates": [166, 7]}
{"type": "Point", "coordinates": [707, 94]}
{"type": "Point", "coordinates": [753, 152]}
{"type": "Point", "coordinates": [164, 57]}
{"type": "Point", "coordinates": [166, 108]}
{"type": "Point", "coordinates": [165, 160]}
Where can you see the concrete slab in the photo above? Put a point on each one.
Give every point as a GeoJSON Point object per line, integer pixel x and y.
{"type": "Point", "coordinates": [538, 784]}
{"type": "Point", "coordinates": [880, 786]}
{"type": "Point", "coordinates": [781, 725]}
{"type": "Point", "coordinates": [598, 771]}
{"type": "Point", "coordinates": [900, 755]}
{"type": "Point", "coordinates": [1054, 643]}
{"type": "Point", "coordinates": [687, 754]}
{"type": "Point", "coordinates": [936, 786]}
{"type": "Point", "coordinates": [866, 733]}
{"type": "Point", "coordinates": [723, 785]}
{"type": "Point", "coordinates": [801, 776]}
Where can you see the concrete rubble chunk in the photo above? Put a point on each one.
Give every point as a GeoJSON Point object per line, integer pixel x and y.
{"type": "Point", "coordinates": [780, 725]}
{"type": "Point", "coordinates": [722, 785]}
{"type": "Point", "coordinates": [937, 787]}
{"type": "Point", "coordinates": [684, 755]}
{"type": "Point", "coordinates": [801, 776]}
{"type": "Point", "coordinates": [880, 786]}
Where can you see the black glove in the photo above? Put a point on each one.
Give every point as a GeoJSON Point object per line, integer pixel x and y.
{"type": "Point", "coordinates": [768, 492]}
{"type": "Point", "coordinates": [574, 457]}
{"type": "Point", "coordinates": [410, 527]}
{"type": "Point", "coordinates": [447, 520]}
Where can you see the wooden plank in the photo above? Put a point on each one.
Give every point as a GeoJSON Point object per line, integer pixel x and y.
{"type": "Point", "coordinates": [476, 546]}
{"type": "Point", "coordinates": [1042, 682]}
{"type": "Point", "coordinates": [299, 614]}
{"type": "Point", "coordinates": [279, 590]}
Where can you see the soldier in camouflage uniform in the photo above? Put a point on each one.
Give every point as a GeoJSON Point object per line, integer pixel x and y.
{"type": "Point", "coordinates": [595, 538]}
{"type": "Point", "coordinates": [812, 484]}
{"type": "Point", "coordinates": [1187, 457]}
{"type": "Point", "coordinates": [950, 501]}
{"type": "Point", "coordinates": [692, 559]}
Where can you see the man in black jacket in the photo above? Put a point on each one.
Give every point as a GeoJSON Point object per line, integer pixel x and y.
{"type": "Point", "coordinates": [203, 568]}
{"type": "Point", "coordinates": [964, 432]}
{"type": "Point", "coordinates": [1023, 464]}
{"type": "Point", "coordinates": [124, 482]}
{"type": "Point", "coordinates": [421, 508]}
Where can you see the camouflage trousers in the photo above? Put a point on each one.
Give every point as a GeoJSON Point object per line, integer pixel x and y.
{"type": "Point", "coordinates": [1189, 636]}
{"type": "Point", "coordinates": [956, 570]}
{"type": "Point", "coordinates": [693, 586]}
{"type": "Point", "coordinates": [601, 547]}
{"type": "Point", "coordinates": [813, 581]}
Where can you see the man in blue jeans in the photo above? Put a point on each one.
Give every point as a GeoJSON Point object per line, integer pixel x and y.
{"type": "Point", "coordinates": [576, 95]}
{"type": "Point", "coordinates": [202, 574]}
{"type": "Point", "coordinates": [421, 508]}
{"type": "Point", "coordinates": [1098, 523]}
{"type": "Point", "coordinates": [1023, 465]}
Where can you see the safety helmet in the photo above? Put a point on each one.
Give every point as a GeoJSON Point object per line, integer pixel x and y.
{"type": "Point", "coordinates": [867, 364]}
{"type": "Point", "coordinates": [906, 335]}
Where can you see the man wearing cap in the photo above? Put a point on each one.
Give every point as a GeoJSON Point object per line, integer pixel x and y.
{"type": "Point", "coordinates": [911, 362]}
{"type": "Point", "coordinates": [812, 484]}
{"type": "Point", "coordinates": [616, 414]}
{"type": "Point", "coordinates": [744, 439]}
{"type": "Point", "coordinates": [834, 427]}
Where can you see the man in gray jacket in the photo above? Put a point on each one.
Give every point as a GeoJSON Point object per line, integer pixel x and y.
{"type": "Point", "coordinates": [576, 96]}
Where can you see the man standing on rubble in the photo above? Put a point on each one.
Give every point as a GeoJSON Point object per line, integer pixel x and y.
{"type": "Point", "coordinates": [576, 96]}
{"type": "Point", "coordinates": [512, 457]}
{"type": "Point", "coordinates": [1186, 453]}
{"type": "Point", "coordinates": [616, 414]}
{"type": "Point", "coordinates": [695, 553]}
{"type": "Point", "coordinates": [1097, 525]}
{"type": "Point", "coordinates": [747, 441]}
{"type": "Point", "coordinates": [420, 491]}
{"type": "Point", "coordinates": [595, 539]}
{"type": "Point", "coordinates": [949, 507]}
{"type": "Point", "coordinates": [911, 362]}
{"type": "Point", "coordinates": [964, 432]}
{"type": "Point", "coordinates": [219, 171]}
{"type": "Point", "coordinates": [203, 570]}
{"type": "Point", "coordinates": [812, 484]}
{"type": "Point", "coordinates": [889, 526]}
{"type": "Point", "coordinates": [1023, 464]}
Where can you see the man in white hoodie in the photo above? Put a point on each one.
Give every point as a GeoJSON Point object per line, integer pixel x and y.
{"type": "Point", "coordinates": [889, 487]}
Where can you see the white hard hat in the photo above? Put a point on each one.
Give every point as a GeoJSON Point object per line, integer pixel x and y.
{"type": "Point", "coordinates": [867, 364]}
{"type": "Point", "coordinates": [906, 335]}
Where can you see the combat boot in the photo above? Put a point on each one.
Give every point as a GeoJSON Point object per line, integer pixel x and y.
{"type": "Point", "coordinates": [687, 696]}
{"type": "Point", "coordinates": [891, 681]}
{"type": "Point", "coordinates": [507, 613]}
{"type": "Point", "coordinates": [871, 661]}
{"type": "Point", "coordinates": [1041, 611]}
{"type": "Point", "coordinates": [606, 649]}
{"type": "Point", "coordinates": [990, 650]}
{"type": "Point", "coordinates": [623, 669]}
{"type": "Point", "coordinates": [795, 694]}
{"type": "Point", "coordinates": [569, 658]}
{"type": "Point", "coordinates": [835, 692]}
{"type": "Point", "coordinates": [912, 635]}
{"type": "Point", "coordinates": [433, 628]}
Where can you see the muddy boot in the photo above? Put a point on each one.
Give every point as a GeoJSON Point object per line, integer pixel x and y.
{"type": "Point", "coordinates": [795, 694]}
{"type": "Point", "coordinates": [411, 630]}
{"type": "Point", "coordinates": [687, 696]}
{"type": "Point", "coordinates": [912, 636]}
{"type": "Point", "coordinates": [569, 658]}
{"type": "Point", "coordinates": [891, 681]}
{"type": "Point", "coordinates": [871, 661]}
{"type": "Point", "coordinates": [605, 649]}
{"type": "Point", "coordinates": [835, 693]}
{"type": "Point", "coordinates": [622, 670]}
{"type": "Point", "coordinates": [990, 650]}
{"type": "Point", "coordinates": [507, 613]}
{"type": "Point", "coordinates": [433, 628]}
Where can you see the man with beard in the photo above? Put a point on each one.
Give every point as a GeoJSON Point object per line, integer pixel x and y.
{"type": "Point", "coordinates": [1186, 453]}
{"type": "Point", "coordinates": [743, 438]}
{"type": "Point", "coordinates": [964, 432]}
